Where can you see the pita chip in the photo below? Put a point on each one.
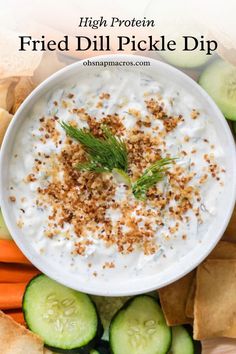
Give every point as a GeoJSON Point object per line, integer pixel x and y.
{"type": "Point", "coordinates": [16, 339]}
{"type": "Point", "coordinates": [7, 93]}
{"type": "Point", "coordinates": [15, 63]}
{"type": "Point", "coordinates": [223, 250]}
{"type": "Point", "coordinates": [189, 310]}
{"type": "Point", "coordinates": [215, 299]}
{"type": "Point", "coordinates": [173, 300]}
{"type": "Point", "coordinates": [47, 351]}
{"type": "Point", "coordinates": [5, 119]}
{"type": "Point", "coordinates": [22, 90]}
{"type": "Point", "coordinates": [230, 232]}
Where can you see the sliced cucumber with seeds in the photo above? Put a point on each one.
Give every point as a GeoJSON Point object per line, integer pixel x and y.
{"type": "Point", "coordinates": [108, 307]}
{"type": "Point", "coordinates": [140, 328]}
{"type": "Point", "coordinates": [182, 342]}
{"type": "Point", "coordinates": [66, 319]}
{"type": "Point", "coordinates": [219, 80]}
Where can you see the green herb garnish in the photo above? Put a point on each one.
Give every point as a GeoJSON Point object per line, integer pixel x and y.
{"type": "Point", "coordinates": [104, 154]}
{"type": "Point", "coordinates": [109, 154]}
{"type": "Point", "coordinates": [150, 177]}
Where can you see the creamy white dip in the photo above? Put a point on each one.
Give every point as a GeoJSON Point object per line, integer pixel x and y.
{"type": "Point", "coordinates": [194, 142]}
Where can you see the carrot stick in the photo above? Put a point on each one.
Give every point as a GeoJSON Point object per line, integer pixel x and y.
{"type": "Point", "coordinates": [10, 253]}
{"type": "Point", "coordinates": [17, 315]}
{"type": "Point", "coordinates": [16, 273]}
{"type": "Point", "coordinates": [11, 295]}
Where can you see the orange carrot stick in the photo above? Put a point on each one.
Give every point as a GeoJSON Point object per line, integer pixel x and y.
{"type": "Point", "coordinates": [17, 315]}
{"type": "Point", "coordinates": [10, 253]}
{"type": "Point", "coordinates": [16, 273]}
{"type": "Point", "coordinates": [11, 295]}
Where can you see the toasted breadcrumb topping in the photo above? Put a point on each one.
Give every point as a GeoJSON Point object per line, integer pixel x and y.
{"type": "Point", "coordinates": [84, 199]}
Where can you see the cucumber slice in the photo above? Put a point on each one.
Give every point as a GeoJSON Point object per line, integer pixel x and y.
{"type": "Point", "coordinates": [94, 351]}
{"type": "Point", "coordinates": [185, 59]}
{"type": "Point", "coordinates": [196, 343]}
{"type": "Point", "coordinates": [188, 60]}
{"type": "Point", "coordinates": [140, 328]}
{"type": "Point", "coordinates": [182, 342]}
{"type": "Point", "coordinates": [219, 80]}
{"type": "Point", "coordinates": [108, 307]}
{"type": "Point", "coordinates": [4, 233]}
{"type": "Point", "coordinates": [66, 319]}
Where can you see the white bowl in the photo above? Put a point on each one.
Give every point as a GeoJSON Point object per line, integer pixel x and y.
{"type": "Point", "coordinates": [174, 271]}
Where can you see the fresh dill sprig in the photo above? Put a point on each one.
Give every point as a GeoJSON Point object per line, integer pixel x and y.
{"type": "Point", "coordinates": [109, 154]}
{"type": "Point", "coordinates": [150, 177]}
{"type": "Point", "coordinates": [104, 154]}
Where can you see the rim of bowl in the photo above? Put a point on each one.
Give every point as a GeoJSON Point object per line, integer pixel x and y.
{"type": "Point", "coordinates": [184, 269]}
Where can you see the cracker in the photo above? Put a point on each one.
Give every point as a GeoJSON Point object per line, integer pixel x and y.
{"type": "Point", "coordinates": [173, 300]}
{"type": "Point", "coordinates": [7, 93]}
{"type": "Point", "coordinates": [215, 299]}
{"type": "Point", "coordinates": [223, 250]}
{"type": "Point", "coordinates": [22, 90]}
{"type": "Point", "coordinates": [230, 232]}
{"type": "Point", "coordinates": [189, 310]}
{"type": "Point", "coordinates": [16, 339]}
{"type": "Point", "coordinates": [14, 62]}
{"type": "Point", "coordinates": [5, 119]}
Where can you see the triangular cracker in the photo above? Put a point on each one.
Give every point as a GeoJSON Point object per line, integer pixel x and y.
{"type": "Point", "coordinates": [16, 339]}
{"type": "Point", "coordinates": [215, 300]}
{"type": "Point", "coordinates": [173, 299]}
